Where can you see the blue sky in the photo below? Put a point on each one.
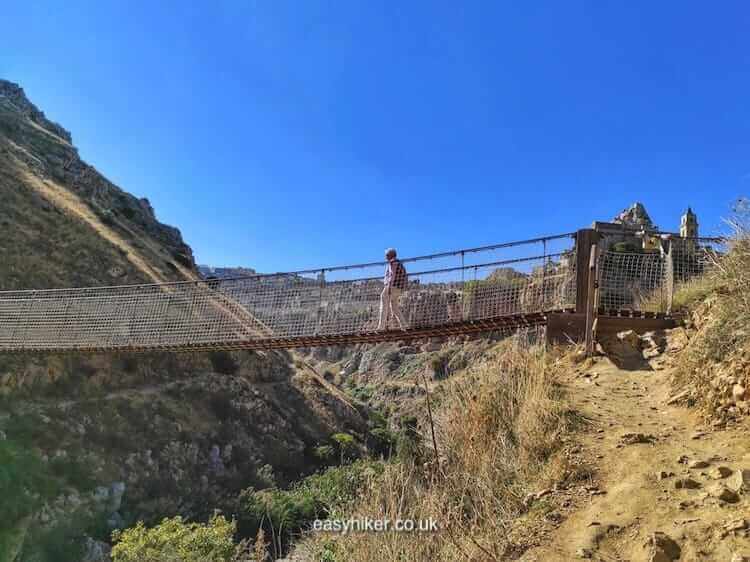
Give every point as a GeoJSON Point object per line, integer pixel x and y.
{"type": "Point", "coordinates": [281, 135]}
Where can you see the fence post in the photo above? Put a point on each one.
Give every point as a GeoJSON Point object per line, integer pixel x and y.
{"type": "Point", "coordinates": [585, 239]}
{"type": "Point", "coordinates": [591, 304]}
{"type": "Point", "coordinates": [544, 276]}
{"type": "Point", "coordinates": [670, 278]}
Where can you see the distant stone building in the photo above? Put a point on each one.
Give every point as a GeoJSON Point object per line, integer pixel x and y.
{"type": "Point", "coordinates": [209, 272]}
{"type": "Point", "coordinates": [633, 230]}
{"type": "Point", "coordinates": [638, 257]}
{"type": "Point", "coordinates": [689, 226]}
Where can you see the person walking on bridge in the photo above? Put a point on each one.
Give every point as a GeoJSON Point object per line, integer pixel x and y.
{"type": "Point", "coordinates": [394, 281]}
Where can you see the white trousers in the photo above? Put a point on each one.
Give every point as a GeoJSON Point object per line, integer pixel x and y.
{"type": "Point", "coordinates": [389, 307]}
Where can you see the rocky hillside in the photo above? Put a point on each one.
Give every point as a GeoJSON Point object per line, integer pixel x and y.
{"type": "Point", "coordinates": [712, 373]}
{"type": "Point", "coordinates": [209, 272]}
{"type": "Point", "coordinates": [63, 222]}
{"type": "Point", "coordinates": [89, 444]}
{"type": "Point", "coordinates": [390, 377]}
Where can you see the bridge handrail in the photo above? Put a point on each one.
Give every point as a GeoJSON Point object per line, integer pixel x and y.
{"type": "Point", "coordinates": [324, 269]}
{"type": "Point", "coordinates": [448, 269]}
{"type": "Point", "coordinates": [433, 256]}
{"type": "Point", "coordinates": [36, 292]}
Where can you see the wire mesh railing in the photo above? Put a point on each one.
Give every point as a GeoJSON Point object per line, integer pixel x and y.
{"type": "Point", "coordinates": [646, 279]}
{"type": "Point", "coordinates": [443, 289]}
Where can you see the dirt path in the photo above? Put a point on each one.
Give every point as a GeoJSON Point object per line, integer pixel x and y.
{"type": "Point", "coordinates": [636, 499]}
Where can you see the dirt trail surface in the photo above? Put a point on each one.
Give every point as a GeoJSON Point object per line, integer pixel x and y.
{"type": "Point", "coordinates": [665, 486]}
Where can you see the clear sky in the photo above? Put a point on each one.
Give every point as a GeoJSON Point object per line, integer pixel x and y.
{"type": "Point", "coordinates": [286, 134]}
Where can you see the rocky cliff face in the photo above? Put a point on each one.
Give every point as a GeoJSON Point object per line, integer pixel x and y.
{"type": "Point", "coordinates": [129, 437]}
{"type": "Point", "coordinates": [635, 217]}
{"type": "Point", "coordinates": [63, 223]}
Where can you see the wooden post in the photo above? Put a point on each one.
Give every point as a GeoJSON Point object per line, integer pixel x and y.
{"type": "Point", "coordinates": [591, 304]}
{"type": "Point", "coordinates": [585, 239]}
{"type": "Point", "coordinates": [669, 273]}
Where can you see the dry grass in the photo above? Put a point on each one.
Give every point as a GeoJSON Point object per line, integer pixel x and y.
{"type": "Point", "coordinates": [686, 296]}
{"type": "Point", "coordinates": [71, 204]}
{"type": "Point", "coordinates": [689, 294]}
{"type": "Point", "coordinates": [720, 307]}
{"type": "Point", "coordinates": [497, 427]}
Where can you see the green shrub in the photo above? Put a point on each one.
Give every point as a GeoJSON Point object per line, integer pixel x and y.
{"type": "Point", "coordinates": [28, 428]}
{"type": "Point", "coordinates": [64, 541]}
{"type": "Point", "coordinates": [265, 476]}
{"type": "Point", "coordinates": [381, 441]}
{"type": "Point", "coordinates": [409, 446]}
{"type": "Point", "coordinates": [74, 471]}
{"type": "Point", "coordinates": [285, 513]}
{"type": "Point", "coordinates": [362, 393]}
{"type": "Point", "coordinates": [439, 366]}
{"type": "Point", "coordinates": [174, 540]}
{"type": "Point", "coordinates": [346, 445]}
{"type": "Point", "coordinates": [24, 482]}
{"type": "Point", "coordinates": [627, 247]}
{"type": "Point", "coordinates": [324, 453]}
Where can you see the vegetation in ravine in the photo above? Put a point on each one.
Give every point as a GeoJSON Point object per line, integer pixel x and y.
{"type": "Point", "coordinates": [497, 427]}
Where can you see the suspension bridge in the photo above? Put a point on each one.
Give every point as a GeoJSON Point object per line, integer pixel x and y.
{"type": "Point", "coordinates": [568, 282]}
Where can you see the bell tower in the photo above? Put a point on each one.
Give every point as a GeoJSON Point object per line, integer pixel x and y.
{"type": "Point", "coordinates": [689, 224]}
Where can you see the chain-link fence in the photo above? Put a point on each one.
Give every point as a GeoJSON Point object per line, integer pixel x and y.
{"type": "Point", "coordinates": [631, 278]}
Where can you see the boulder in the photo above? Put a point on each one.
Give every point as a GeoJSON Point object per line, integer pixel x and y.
{"type": "Point", "coordinates": [634, 438]}
{"type": "Point", "coordinates": [116, 491]}
{"type": "Point", "coordinates": [739, 481]}
{"type": "Point", "coordinates": [738, 392]}
{"type": "Point", "coordinates": [721, 492]}
{"type": "Point", "coordinates": [95, 551]}
{"type": "Point", "coordinates": [625, 350]}
{"type": "Point", "coordinates": [662, 548]}
{"type": "Point", "coordinates": [686, 484]}
{"type": "Point", "coordinates": [653, 344]}
{"type": "Point", "coordinates": [719, 472]}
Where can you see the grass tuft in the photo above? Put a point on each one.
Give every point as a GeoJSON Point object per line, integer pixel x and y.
{"type": "Point", "coordinates": [497, 427]}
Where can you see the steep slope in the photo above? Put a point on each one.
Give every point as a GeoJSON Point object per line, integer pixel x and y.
{"type": "Point", "coordinates": [63, 223]}
{"type": "Point", "coordinates": [105, 440]}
